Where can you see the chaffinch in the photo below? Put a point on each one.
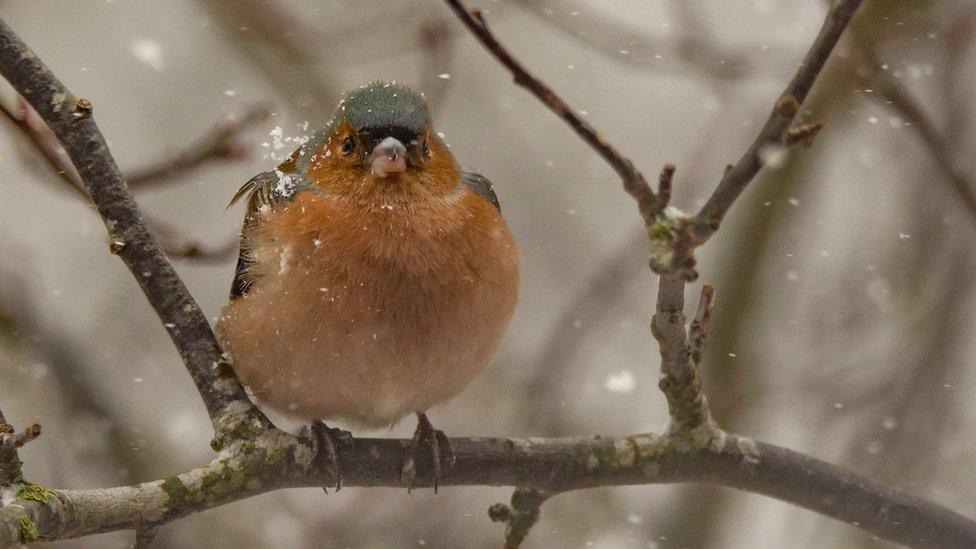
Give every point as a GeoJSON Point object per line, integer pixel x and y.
{"type": "Point", "coordinates": [376, 278]}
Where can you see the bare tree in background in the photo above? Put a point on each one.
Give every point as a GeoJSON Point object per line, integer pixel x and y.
{"type": "Point", "coordinates": [256, 457]}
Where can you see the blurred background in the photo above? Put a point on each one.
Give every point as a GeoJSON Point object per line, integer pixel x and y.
{"type": "Point", "coordinates": [844, 275]}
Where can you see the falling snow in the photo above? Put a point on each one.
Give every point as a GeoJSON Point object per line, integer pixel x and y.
{"type": "Point", "coordinates": [772, 155]}
{"type": "Point", "coordinates": [150, 53]}
{"type": "Point", "coordinates": [622, 382]}
{"type": "Point", "coordinates": [281, 145]}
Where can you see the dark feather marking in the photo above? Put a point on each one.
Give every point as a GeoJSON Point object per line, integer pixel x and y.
{"type": "Point", "coordinates": [265, 189]}
{"type": "Point", "coordinates": [482, 186]}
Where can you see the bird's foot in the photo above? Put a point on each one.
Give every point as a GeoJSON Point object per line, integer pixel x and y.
{"type": "Point", "coordinates": [441, 452]}
{"type": "Point", "coordinates": [325, 448]}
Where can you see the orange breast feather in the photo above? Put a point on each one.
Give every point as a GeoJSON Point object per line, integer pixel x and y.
{"type": "Point", "coordinates": [368, 310]}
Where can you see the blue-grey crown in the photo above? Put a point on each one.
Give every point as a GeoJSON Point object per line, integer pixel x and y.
{"type": "Point", "coordinates": [383, 105]}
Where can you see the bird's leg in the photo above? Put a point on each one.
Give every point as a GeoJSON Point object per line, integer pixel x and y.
{"type": "Point", "coordinates": [325, 445]}
{"type": "Point", "coordinates": [441, 452]}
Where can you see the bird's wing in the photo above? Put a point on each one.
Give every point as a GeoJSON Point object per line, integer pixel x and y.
{"type": "Point", "coordinates": [265, 190]}
{"type": "Point", "coordinates": [480, 185]}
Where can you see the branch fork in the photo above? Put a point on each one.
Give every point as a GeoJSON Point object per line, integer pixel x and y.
{"type": "Point", "coordinates": [675, 235]}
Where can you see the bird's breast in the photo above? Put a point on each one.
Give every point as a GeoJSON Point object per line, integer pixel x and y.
{"type": "Point", "coordinates": [372, 310]}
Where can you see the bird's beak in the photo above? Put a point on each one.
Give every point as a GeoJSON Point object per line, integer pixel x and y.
{"type": "Point", "coordinates": [389, 156]}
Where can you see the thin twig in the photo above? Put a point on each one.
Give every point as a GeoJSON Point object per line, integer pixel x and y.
{"type": "Point", "coordinates": [10, 441]}
{"type": "Point", "coordinates": [44, 142]}
{"type": "Point", "coordinates": [681, 379]}
{"type": "Point", "coordinates": [437, 43]}
{"type": "Point", "coordinates": [17, 440]}
{"type": "Point", "coordinates": [698, 330]}
{"type": "Point", "coordinates": [221, 144]}
{"type": "Point", "coordinates": [19, 323]}
{"type": "Point", "coordinates": [685, 49]}
{"type": "Point", "coordinates": [893, 95]}
{"type": "Point", "coordinates": [634, 182]}
{"type": "Point", "coordinates": [772, 138]}
{"type": "Point", "coordinates": [520, 516]}
{"type": "Point", "coordinates": [780, 119]}
{"type": "Point", "coordinates": [674, 237]}
{"type": "Point", "coordinates": [802, 134]}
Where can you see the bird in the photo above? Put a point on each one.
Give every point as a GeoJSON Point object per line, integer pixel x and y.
{"type": "Point", "coordinates": [376, 277]}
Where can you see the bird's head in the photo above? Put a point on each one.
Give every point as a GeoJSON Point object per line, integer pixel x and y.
{"type": "Point", "coordinates": [379, 140]}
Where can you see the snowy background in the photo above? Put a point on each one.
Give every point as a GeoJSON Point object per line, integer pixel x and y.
{"type": "Point", "coordinates": [844, 275]}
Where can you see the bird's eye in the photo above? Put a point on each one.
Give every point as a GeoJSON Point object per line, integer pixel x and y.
{"type": "Point", "coordinates": [348, 145]}
{"type": "Point", "coordinates": [426, 150]}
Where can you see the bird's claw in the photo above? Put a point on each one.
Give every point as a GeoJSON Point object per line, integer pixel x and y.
{"type": "Point", "coordinates": [325, 446]}
{"type": "Point", "coordinates": [441, 452]}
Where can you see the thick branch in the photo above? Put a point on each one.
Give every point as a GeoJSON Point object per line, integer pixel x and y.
{"type": "Point", "coordinates": [274, 461]}
{"type": "Point", "coordinates": [71, 121]}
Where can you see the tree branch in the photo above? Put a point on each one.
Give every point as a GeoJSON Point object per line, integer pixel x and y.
{"type": "Point", "coordinates": [680, 358]}
{"type": "Point", "coordinates": [71, 121]}
{"type": "Point", "coordinates": [256, 458]}
{"type": "Point", "coordinates": [893, 95]}
{"type": "Point", "coordinates": [777, 126]}
{"type": "Point", "coordinates": [634, 183]}
{"type": "Point", "coordinates": [276, 460]}
{"type": "Point", "coordinates": [222, 143]}
{"type": "Point", "coordinates": [688, 48]}
{"type": "Point", "coordinates": [10, 441]}
{"type": "Point", "coordinates": [520, 516]}
{"type": "Point", "coordinates": [773, 138]}
{"type": "Point", "coordinates": [674, 235]}
{"type": "Point", "coordinates": [680, 234]}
